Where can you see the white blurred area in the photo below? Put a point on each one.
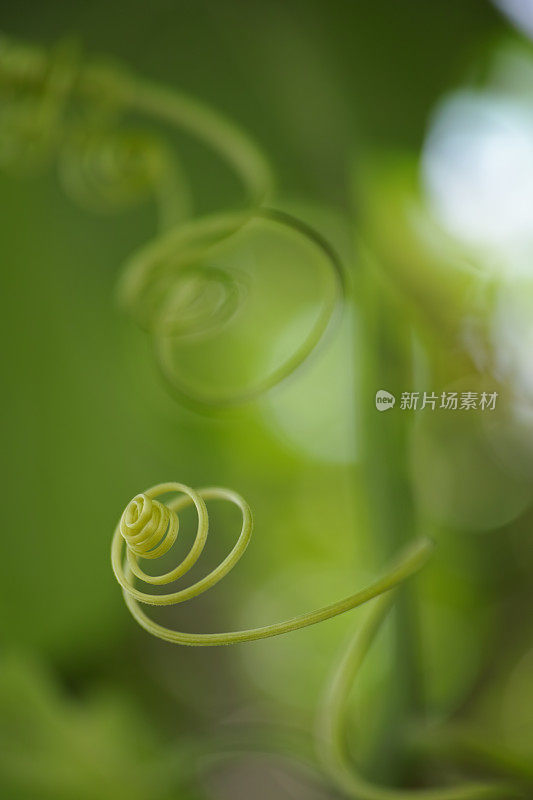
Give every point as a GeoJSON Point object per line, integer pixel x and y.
{"type": "Point", "coordinates": [518, 11]}
{"type": "Point", "coordinates": [477, 172]}
{"type": "Point", "coordinates": [477, 177]}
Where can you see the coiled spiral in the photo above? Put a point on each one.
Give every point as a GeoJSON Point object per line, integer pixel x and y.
{"type": "Point", "coordinates": [182, 288]}
{"type": "Point", "coordinates": [106, 168]}
{"type": "Point", "coordinates": [148, 528]}
{"type": "Point", "coordinates": [170, 286]}
{"type": "Point", "coordinates": [50, 78]}
{"type": "Point", "coordinates": [200, 302]}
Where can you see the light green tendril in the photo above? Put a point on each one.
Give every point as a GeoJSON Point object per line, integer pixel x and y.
{"type": "Point", "coordinates": [80, 111]}
{"type": "Point", "coordinates": [331, 723]}
{"type": "Point", "coordinates": [56, 106]}
{"type": "Point", "coordinates": [148, 529]}
{"type": "Point", "coordinates": [105, 170]}
{"type": "Point", "coordinates": [26, 68]}
{"type": "Point", "coordinates": [173, 294]}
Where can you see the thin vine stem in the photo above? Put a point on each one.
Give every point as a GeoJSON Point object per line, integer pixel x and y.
{"type": "Point", "coordinates": [104, 166]}
{"type": "Point", "coordinates": [26, 66]}
{"type": "Point", "coordinates": [331, 724]}
{"type": "Point", "coordinates": [148, 529]}
{"type": "Point", "coordinates": [166, 259]}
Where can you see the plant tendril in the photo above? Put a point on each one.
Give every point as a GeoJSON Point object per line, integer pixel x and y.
{"type": "Point", "coordinates": [27, 67]}
{"type": "Point", "coordinates": [148, 529]}
{"type": "Point", "coordinates": [56, 106]}
{"type": "Point", "coordinates": [331, 723]}
{"type": "Point", "coordinates": [105, 165]}
{"type": "Point", "coordinates": [174, 292]}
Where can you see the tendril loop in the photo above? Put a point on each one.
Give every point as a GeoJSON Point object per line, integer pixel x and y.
{"type": "Point", "coordinates": [108, 169]}
{"type": "Point", "coordinates": [49, 78]}
{"type": "Point", "coordinates": [148, 529]}
{"type": "Point", "coordinates": [172, 287]}
{"type": "Point", "coordinates": [200, 302]}
{"type": "Point", "coordinates": [332, 720]}
{"type": "Point", "coordinates": [183, 287]}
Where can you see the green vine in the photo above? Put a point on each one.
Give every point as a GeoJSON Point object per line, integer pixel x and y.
{"type": "Point", "coordinates": [57, 107]}
{"type": "Point", "coordinates": [149, 529]}
{"type": "Point", "coordinates": [331, 722]}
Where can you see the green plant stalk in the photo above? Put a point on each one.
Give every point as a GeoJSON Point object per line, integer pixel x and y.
{"type": "Point", "coordinates": [384, 350]}
{"type": "Point", "coordinates": [331, 722]}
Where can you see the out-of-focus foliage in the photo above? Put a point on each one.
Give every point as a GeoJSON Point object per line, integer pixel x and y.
{"type": "Point", "coordinates": [404, 132]}
{"type": "Point", "coordinates": [56, 746]}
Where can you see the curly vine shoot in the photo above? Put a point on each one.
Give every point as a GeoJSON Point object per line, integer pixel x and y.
{"type": "Point", "coordinates": [268, 286]}
{"type": "Point", "coordinates": [148, 529]}
{"type": "Point", "coordinates": [78, 114]}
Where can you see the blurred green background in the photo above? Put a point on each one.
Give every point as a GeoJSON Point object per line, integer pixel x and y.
{"type": "Point", "coordinates": [342, 98]}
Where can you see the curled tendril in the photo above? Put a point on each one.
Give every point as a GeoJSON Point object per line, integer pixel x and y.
{"type": "Point", "coordinates": [200, 303]}
{"type": "Point", "coordinates": [148, 529]}
{"type": "Point", "coordinates": [174, 293]}
{"type": "Point", "coordinates": [331, 723]}
{"type": "Point", "coordinates": [164, 285]}
{"type": "Point", "coordinates": [30, 128]}
{"type": "Point", "coordinates": [50, 80]}
{"type": "Point", "coordinates": [106, 170]}
{"type": "Point", "coordinates": [105, 167]}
